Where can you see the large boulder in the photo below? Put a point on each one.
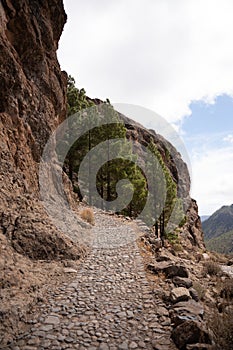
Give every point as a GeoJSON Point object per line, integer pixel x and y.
{"type": "Point", "coordinates": [170, 269]}
{"type": "Point", "coordinates": [179, 294]}
{"type": "Point", "coordinates": [182, 282]}
{"type": "Point", "coordinates": [186, 311]}
{"type": "Point", "coordinates": [190, 332]}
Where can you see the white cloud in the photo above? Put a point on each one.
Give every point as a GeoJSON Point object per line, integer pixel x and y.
{"type": "Point", "coordinates": [212, 183]}
{"type": "Point", "coordinates": [158, 54]}
{"type": "Point", "coordinates": [228, 138]}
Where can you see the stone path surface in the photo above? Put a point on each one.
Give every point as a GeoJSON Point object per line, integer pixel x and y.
{"type": "Point", "coordinates": [109, 304]}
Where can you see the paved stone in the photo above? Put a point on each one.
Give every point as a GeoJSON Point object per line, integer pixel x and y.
{"type": "Point", "coordinates": [109, 304]}
{"type": "Point", "coordinates": [52, 320]}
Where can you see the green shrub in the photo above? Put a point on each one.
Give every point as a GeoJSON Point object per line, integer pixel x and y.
{"type": "Point", "coordinates": [183, 221]}
{"type": "Point", "coordinates": [172, 237]}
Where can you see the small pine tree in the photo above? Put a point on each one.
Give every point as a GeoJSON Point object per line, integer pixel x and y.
{"type": "Point", "coordinates": [171, 192]}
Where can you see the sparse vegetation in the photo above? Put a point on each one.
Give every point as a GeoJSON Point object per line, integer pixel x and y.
{"type": "Point", "coordinates": [211, 268]}
{"type": "Point", "coordinates": [199, 289]}
{"type": "Point", "coordinates": [183, 221]}
{"type": "Point", "coordinates": [227, 289]}
{"type": "Point", "coordinates": [218, 230]}
{"type": "Point", "coordinates": [177, 247]}
{"type": "Point", "coordinates": [172, 238]}
{"type": "Point", "coordinates": [222, 328]}
{"type": "Point", "coordinates": [220, 258]}
{"type": "Point", "coordinates": [88, 215]}
{"type": "Point", "coordinates": [221, 244]}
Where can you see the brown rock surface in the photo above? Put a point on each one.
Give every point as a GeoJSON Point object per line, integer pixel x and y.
{"type": "Point", "coordinates": [192, 230]}
{"type": "Point", "coordinates": [182, 282]}
{"type": "Point", "coordinates": [190, 332]}
{"type": "Point", "coordinates": [184, 311]}
{"type": "Point", "coordinates": [170, 269]}
{"type": "Point", "coordinates": [32, 104]}
{"type": "Point", "coordinates": [179, 294]}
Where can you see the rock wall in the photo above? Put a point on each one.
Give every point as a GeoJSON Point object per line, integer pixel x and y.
{"type": "Point", "coordinates": [32, 104]}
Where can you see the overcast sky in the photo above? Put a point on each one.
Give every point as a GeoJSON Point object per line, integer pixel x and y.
{"type": "Point", "coordinates": [174, 57]}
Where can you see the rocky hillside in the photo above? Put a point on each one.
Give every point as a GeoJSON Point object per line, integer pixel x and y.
{"type": "Point", "coordinates": [190, 234]}
{"type": "Point", "coordinates": [218, 230]}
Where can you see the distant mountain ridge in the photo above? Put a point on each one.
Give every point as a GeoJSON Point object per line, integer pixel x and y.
{"type": "Point", "coordinates": [221, 244]}
{"type": "Point", "coordinates": [218, 223]}
{"type": "Point", "coordinates": [218, 230]}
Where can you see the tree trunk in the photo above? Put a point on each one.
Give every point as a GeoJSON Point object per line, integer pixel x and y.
{"type": "Point", "coordinates": [89, 168]}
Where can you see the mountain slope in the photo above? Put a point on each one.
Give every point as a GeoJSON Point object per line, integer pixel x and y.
{"type": "Point", "coordinates": [219, 223]}
{"type": "Point", "coordinates": [218, 230]}
{"type": "Point", "coordinates": [221, 244]}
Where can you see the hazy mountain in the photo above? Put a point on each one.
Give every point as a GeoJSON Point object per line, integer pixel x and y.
{"type": "Point", "coordinates": [222, 244]}
{"type": "Point", "coordinates": [218, 230]}
{"type": "Point", "coordinates": [218, 223]}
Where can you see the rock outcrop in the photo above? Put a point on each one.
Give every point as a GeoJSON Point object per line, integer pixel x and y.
{"type": "Point", "coordinates": [171, 157]}
{"type": "Point", "coordinates": [191, 234]}
{"type": "Point", "coordinates": [32, 104]}
{"type": "Point", "coordinates": [186, 310]}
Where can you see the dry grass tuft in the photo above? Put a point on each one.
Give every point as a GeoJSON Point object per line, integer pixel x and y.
{"type": "Point", "coordinates": [199, 289]}
{"type": "Point", "coordinates": [212, 268]}
{"type": "Point", "coordinates": [88, 215]}
{"type": "Point", "coordinates": [177, 247]}
{"type": "Point", "coordinates": [227, 289]}
{"type": "Point", "coordinates": [222, 328]}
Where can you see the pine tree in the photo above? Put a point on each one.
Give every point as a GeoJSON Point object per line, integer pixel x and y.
{"type": "Point", "coordinates": [110, 127]}
{"type": "Point", "coordinates": [76, 102]}
{"type": "Point", "coordinates": [171, 193]}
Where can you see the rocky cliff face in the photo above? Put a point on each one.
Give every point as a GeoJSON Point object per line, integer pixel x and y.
{"type": "Point", "coordinates": [32, 104]}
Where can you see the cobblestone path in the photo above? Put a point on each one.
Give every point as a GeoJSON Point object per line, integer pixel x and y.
{"type": "Point", "coordinates": [109, 305]}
